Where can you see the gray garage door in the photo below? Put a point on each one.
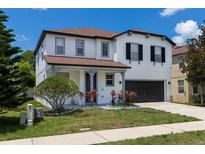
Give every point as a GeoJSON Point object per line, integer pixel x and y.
{"type": "Point", "coordinates": [147, 91]}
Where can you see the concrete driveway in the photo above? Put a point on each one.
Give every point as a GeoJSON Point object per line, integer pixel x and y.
{"type": "Point", "coordinates": [188, 110]}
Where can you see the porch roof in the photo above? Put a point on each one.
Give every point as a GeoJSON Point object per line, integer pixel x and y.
{"type": "Point", "coordinates": [85, 62]}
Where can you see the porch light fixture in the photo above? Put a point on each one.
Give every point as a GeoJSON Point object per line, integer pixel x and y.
{"type": "Point", "coordinates": [120, 82]}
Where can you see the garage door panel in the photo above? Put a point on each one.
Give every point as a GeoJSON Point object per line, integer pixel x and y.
{"type": "Point", "coordinates": [147, 91]}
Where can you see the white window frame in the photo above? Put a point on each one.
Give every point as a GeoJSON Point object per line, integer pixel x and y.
{"type": "Point", "coordinates": [132, 51]}
{"type": "Point", "coordinates": [158, 52]}
{"type": "Point", "coordinates": [102, 49]}
{"type": "Point", "coordinates": [181, 86]}
{"type": "Point", "coordinates": [63, 47]}
{"type": "Point", "coordinates": [113, 79]}
{"type": "Point", "coordinates": [77, 46]}
{"type": "Point", "coordinates": [181, 61]}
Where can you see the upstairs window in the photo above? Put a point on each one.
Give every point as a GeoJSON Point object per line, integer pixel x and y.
{"type": "Point", "coordinates": [180, 86]}
{"type": "Point", "coordinates": [60, 46]}
{"type": "Point", "coordinates": [105, 49]}
{"type": "Point", "coordinates": [181, 62]}
{"type": "Point", "coordinates": [110, 79]}
{"type": "Point", "coordinates": [134, 51]}
{"type": "Point", "coordinates": [157, 54]}
{"type": "Point", "coordinates": [80, 47]}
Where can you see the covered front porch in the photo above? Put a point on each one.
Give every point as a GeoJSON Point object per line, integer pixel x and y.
{"type": "Point", "coordinates": [100, 75]}
{"type": "Point", "coordinates": [103, 80]}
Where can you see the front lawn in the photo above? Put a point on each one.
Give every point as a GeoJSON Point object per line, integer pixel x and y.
{"type": "Point", "coordinates": [95, 119]}
{"type": "Point", "coordinates": [188, 138]}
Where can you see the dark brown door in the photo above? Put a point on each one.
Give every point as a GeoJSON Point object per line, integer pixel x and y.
{"type": "Point", "coordinates": [147, 91]}
{"type": "Point", "coordinates": [87, 84]}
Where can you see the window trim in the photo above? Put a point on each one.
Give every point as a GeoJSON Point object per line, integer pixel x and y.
{"type": "Point", "coordinates": [181, 87]}
{"type": "Point", "coordinates": [181, 60]}
{"type": "Point", "coordinates": [157, 46]}
{"type": "Point", "coordinates": [113, 79]}
{"type": "Point", "coordinates": [108, 52]}
{"type": "Point", "coordinates": [56, 45]}
{"type": "Point", "coordinates": [76, 54]}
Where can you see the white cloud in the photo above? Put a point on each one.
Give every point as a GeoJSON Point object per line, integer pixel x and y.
{"type": "Point", "coordinates": [170, 11]}
{"type": "Point", "coordinates": [21, 38]}
{"type": "Point", "coordinates": [186, 30]}
{"type": "Point", "coordinates": [40, 9]}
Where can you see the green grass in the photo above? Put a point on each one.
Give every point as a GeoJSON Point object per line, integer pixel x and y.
{"type": "Point", "coordinates": [96, 119]}
{"type": "Point", "coordinates": [188, 138]}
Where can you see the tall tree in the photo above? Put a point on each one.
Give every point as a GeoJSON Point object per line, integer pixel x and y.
{"type": "Point", "coordinates": [26, 70]}
{"type": "Point", "coordinates": [195, 58]}
{"type": "Point", "coordinates": [9, 79]}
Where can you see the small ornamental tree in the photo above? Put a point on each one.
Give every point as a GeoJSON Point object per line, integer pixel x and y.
{"type": "Point", "coordinates": [55, 90]}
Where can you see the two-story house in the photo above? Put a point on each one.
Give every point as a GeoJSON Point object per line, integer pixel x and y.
{"type": "Point", "coordinates": [182, 91]}
{"type": "Point", "coordinates": [105, 61]}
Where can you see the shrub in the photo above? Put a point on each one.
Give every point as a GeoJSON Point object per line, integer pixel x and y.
{"type": "Point", "coordinates": [56, 90]}
{"type": "Point", "coordinates": [114, 95]}
{"type": "Point", "coordinates": [196, 99]}
{"type": "Point", "coordinates": [130, 97]}
{"type": "Point", "coordinates": [91, 95]}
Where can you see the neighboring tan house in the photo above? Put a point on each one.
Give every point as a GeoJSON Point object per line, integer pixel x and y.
{"type": "Point", "coordinates": [105, 61]}
{"type": "Point", "coordinates": [182, 91]}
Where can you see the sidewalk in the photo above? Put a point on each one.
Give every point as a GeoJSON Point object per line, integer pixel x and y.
{"type": "Point", "coordinates": [96, 137]}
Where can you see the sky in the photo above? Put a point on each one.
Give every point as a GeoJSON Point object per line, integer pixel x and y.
{"type": "Point", "coordinates": [177, 24]}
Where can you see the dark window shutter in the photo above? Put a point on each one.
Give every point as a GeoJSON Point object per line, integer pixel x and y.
{"type": "Point", "coordinates": [163, 54]}
{"type": "Point", "coordinates": [140, 52]}
{"type": "Point", "coordinates": [128, 51]}
{"type": "Point", "coordinates": [152, 52]}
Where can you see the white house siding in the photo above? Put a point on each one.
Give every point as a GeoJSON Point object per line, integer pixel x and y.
{"type": "Point", "coordinates": [92, 46]}
{"type": "Point", "coordinates": [143, 71]}
{"type": "Point", "coordinates": [104, 92]}
{"type": "Point", "coordinates": [42, 67]}
{"type": "Point", "coordinates": [146, 70]}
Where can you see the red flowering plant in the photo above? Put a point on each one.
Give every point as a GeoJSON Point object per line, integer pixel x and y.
{"type": "Point", "coordinates": [130, 97]}
{"type": "Point", "coordinates": [91, 95]}
{"type": "Point", "coordinates": [113, 94]}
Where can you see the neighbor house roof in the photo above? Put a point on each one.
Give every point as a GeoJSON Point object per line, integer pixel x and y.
{"type": "Point", "coordinates": [86, 62]}
{"type": "Point", "coordinates": [179, 49]}
{"type": "Point", "coordinates": [93, 33]}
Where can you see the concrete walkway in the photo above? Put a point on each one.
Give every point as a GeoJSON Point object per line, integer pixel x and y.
{"type": "Point", "coordinates": [103, 136]}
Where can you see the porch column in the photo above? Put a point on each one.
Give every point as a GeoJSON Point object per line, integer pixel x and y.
{"type": "Point", "coordinates": [123, 85]}
{"type": "Point", "coordinates": [91, 73]}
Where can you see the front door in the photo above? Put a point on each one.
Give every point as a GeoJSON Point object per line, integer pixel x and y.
{"type": "Point", "coordinates": [87, 85]}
